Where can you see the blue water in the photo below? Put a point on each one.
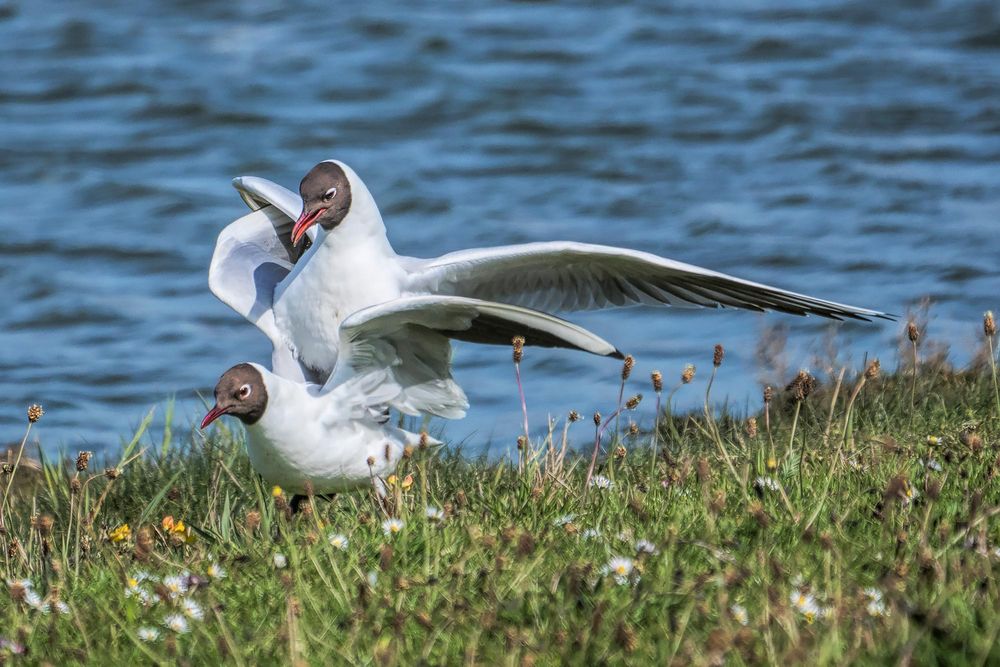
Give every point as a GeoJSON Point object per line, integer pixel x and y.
{"type": "Point", "coordinates": [848, 150]}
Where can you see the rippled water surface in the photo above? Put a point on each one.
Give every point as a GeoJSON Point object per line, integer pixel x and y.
{"type": "Point", "coordinates": [849, 150]}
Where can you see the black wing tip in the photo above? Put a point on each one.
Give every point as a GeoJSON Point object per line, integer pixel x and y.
{"type": "Point", "coordinates": [617, 354]}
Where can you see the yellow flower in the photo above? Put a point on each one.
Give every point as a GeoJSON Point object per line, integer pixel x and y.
{"type": "Point", "coordinates": [120, 534]}
{"type": "Point", "coordinates": [276, 491]}
{"type": "Point", "coordinates": [168, 523]}
{"type": "Point", "coordinates": [772, 464]}
{"type": "Point", "coordinates": [407, 482]}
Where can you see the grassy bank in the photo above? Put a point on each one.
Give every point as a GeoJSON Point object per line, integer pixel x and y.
{"type": "Point", "coordinates": [851, 521]}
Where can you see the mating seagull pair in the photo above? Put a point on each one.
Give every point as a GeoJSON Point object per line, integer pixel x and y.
{"type": "Point", "coordinates": [356, 328]}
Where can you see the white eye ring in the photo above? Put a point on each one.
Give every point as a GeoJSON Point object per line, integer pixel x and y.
{"type": "Point", "coordinates": [330, 194]}
{"type": "Point", "coordinates": [245, 391]}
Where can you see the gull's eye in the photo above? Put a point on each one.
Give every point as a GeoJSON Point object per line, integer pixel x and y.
{"type": "Point", "coordinates": [245, 392]}
{"type": "Point", "coordinates": [330, 194]}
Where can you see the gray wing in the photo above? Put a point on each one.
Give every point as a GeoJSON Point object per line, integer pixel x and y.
{"type": "Point", "coordinates": [567, 276]}
{"type": "Point", "coordinates": [411, 336]}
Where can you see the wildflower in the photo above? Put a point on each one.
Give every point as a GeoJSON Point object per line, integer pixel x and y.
{"type": "Point", "coordinates": [192, 609]}
{"type": "Point", "coordinates": [931, 464]}
{"type": "Point", "coordinates": [657, 378]}
{"type": "Point", "coordinates": [620, 451]}
{"type": "Point", "coordinates": [146, 598]}
{"type": "Point", "coordinates": [574, 416]}
{"type": "Point", "coordinates": [112, 473]}
{"type": "Point", "coordinates": [280, 561]}
{"type": "Point", "coordinates": [564, 520]}
{"type": "Point", "coordinates": [601, 482]}
{"type": "Point", "coordinates": [873, 369]}
{"type": "Point", "coordinates": [518, 343]}
{"type": "Point", "coordinates": [766, 483]}
{"type": "Point", "coordinates": [802, 385]}
{"type": "Point", "coordinates": [177, 623]}
{"type": "Point", "coordinates": [751, 427]}
{"type": "Point", "coordinates": [407, 482]}
{"type": "Point", "coordinates": [772, 463]}
{"type": "Point", "coordinates": [718, 354]}
{"type": "Point", "coordinates": [35, 601]}
{"type": "Point", "coordinates": [35, 413]}
{"type": "Point", "coordinates": [176, 585]}
{"type": "Point", "coordinates": [392, 526]}
{"type": "Point", "coordinates": [989, 324]}
{"type": "Point", "coordinates": [805, 604]}
{"type": "Point", "coordinates": [590, 534]}
{"type": "Point", "coordinates": [912, 332]}
{"type": "Point", "coordinates": [876, 606]}
{"type": "Point", "coordinates": [633, 402]}
{"type": "Point", "coordinates": [276, 491]}
{"type": "Point", "coordinates": [215, 571]}
{"type": "Point", "coordinates": [620, 568]}
{"type": "Point", "coordinates": [434, 513]}
{"type": "Point", "coordinates": [83, 460]}
{"type": "Point", "coordinates": [120, 534]}
{"type": "Point", "coordinates": [687, 374]}
{"type": "Point", "coordinates": [11, 646]}
{"type": "Point", "coordinates": [645, 547]}
{"type": "Point", "coordinates": [934, 440]}
{"type": "Point", "coordinates": [62, 608]}
{"type": "Point", "coordinates": [739, 613]}
{"type": "Point", "coordinates": [627, 367]}
{"type": "Point", "coordinates": [148, 634]}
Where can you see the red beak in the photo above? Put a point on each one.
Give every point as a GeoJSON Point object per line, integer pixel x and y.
{"type": "Point", "coordinates": [305, 221]}
{"type": "Point", "coordinates": [212, 415]}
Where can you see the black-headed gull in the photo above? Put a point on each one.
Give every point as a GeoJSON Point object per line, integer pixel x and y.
{"type": "Point", "coordinates": [351, 265]}
{"type": "Point", "coordinates": [338, 435]}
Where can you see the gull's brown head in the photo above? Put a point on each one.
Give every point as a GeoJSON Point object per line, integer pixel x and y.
{"type": "Point", "coordinates": [326, 199]}
{"type": "Point", "coordinates": [241, 393]}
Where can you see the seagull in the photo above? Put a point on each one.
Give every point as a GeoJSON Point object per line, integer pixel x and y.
{"type": "Point", "coordinates": [311, 438]}
{"type": "Point", "coordinates": [299, 296]}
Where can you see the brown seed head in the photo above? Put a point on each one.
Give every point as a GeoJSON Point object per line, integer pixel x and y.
{"type": "Point", "coordinates": [112, 473]}
{"type": "Point", "coordinates": [873, 369]}
{"type": "Point", "coordinates": [574, 416]}
{"type": "Point", "coordinates": [17, 591]}
{"type": "Point", "coordinates": [620, 452]}
{"type": "Point", "coordinates": [633, 402]}
{"type": "Point", "coordinates": [752, 427]}
{"type": "Point", "coordinates": [44, 525]}
{"type": "Point", "coordinates": [626, 637]}
{"type": "Point", "coordinates": [522, 443]}
{"type": "Point", "coordinates": [518, 344]}
{"type": "Point", "coordinates": [597, 419]}
{"type": "Point", "coordinates": [989, 324]}
{"type": "Point", "coordinates": [657, 378]}
{"type": "Point", "coordinates": [802, 385]}
{"type": "Point", "coordinates": [525, 544]}
{"type": "Point", "coordinates": [912, 331]}
{"type": "Point", "coordinates": [424, 440]}
{"type": "Point", "coordinates": [627, 366]}
{"type": "Point", "coordinates": [35, 413]}
{"type": "Point", "coordinates": [83, 460]}
{"type": "Point", "coordinates": [75, 485]}
{"type": "Point", "coordinates": [371, 461]}
{"type": "Point", "coordinates": [687, 374]}
{"type": "Point", "coordinates": [633, 429]}
{"type": "Point", "coordinates": [768, 394]}
{"type": "Point", "coordinates": [387, 452]}
{"type": "Point", "coordinates": [408, 452]}
{"type": "Point", "coordinates": [7, 468]}
{"type": "Point", "coordinates": [718, 355]}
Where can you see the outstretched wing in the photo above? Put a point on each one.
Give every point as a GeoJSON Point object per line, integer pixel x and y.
{"type": "Point", "coordinates": [249, 260]}
{"type": "Point", "coordinates": [411, 336]}
{"type": "Point", "coordinates": [567, 276]}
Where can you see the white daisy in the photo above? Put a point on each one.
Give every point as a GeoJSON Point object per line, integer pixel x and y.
{"type": "Point", "coordinates": [192, 609]}
{"type": "Point", "coordinates": [147, 598]}
{"type": "Point", "coordinates": [590, 534]}
{"type": "Point", "coordinates": [177, 623]}
{"type": "Point", "coordinates": [620, 568]}
{"type": "Point", "coordinates": [176, 584]}
{"type": "Point", "coordinates": [434, 513]}
{"type": "Point", "coordinates": [215, 571]}
{"type": "Point", "coordinates": [35, 601]}
{"type": "Point", "coordinates": [62, 607]}
{"type": "Point", "coordinates": [645, 547]}
{"type": "Point", "coordinates": [601, 482]}
{"type": "Point", "coordinates": [148, 634]}
{"type": "Point", "coordinates": [392, 526]}
{"type": "Point", "coordinates": [876, 606]}
{"type": "Point", "coordinates": [805, 604]}
{"type": "Point", "coordinates": [767, 484]}
{"type": "Point", "coordinates": [565, 519]}
{"type": "Point", "coordinates": [338, 541]}
{"type": "Point", "coordinates": [739, 613]}
{"type": "Point", "coordinates": [280, 561]}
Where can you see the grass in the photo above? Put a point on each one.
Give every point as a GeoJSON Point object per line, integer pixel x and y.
{"type": "Point", "coordinates": [844, 528]}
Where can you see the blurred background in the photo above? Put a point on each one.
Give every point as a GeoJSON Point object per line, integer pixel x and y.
{"type": "Point", "coordinates": [844, 149]}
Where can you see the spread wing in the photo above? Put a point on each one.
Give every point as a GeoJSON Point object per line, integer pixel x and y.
{"type": "Point", "coordinates": [567, 276]}
{"type": "Point", "coordinates": [250, 258]}
{"type": "Point", "coordinates": [411, 336]}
